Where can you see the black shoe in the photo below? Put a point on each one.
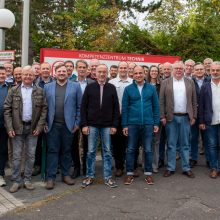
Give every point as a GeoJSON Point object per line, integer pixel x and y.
{"type": "Point", "coordinates": [208, 164]}
{"type": "Point", "coordinates": [76, 173]}
{"type": "Point", "coordinates": [192, 163]}
{"type": "Point", "coordinates": [161, 163]}
{"type": "Point", "coordinates": [36, 171]}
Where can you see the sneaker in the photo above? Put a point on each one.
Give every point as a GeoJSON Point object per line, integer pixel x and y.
{"type": "Point", "coordinates": [111, 183]}
{"type": "Point", "coordinates": [28, 185]}
{"type": "Point", "coordinates": [2, 181]}
{"type": "Point", "coordinates": [15, 187]}
{"type": "Point", "coordinates": [149, 180]}
{"type": "Point", "coordinates": [128, 180]}
{"type": "Point", "coordinates": [87, 181]}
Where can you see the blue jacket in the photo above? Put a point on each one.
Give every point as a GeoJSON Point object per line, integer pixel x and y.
{"type": "Point", "coordinates": [72, 103]}
{"type": "Point", "coordinates": [140, 109]}
{"type": "Point", "coordinates": [205, 104]}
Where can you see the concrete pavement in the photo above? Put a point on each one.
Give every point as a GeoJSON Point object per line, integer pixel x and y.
{"type": "Point", "coordinates": [176, 197]}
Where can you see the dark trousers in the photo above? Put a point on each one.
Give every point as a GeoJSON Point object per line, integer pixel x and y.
{"type": "Point", "coordinates": [163, 141]}
{"type": "Point", "coordinates": [75, 151]}
{"type": "Point", "coordinates": [3, 150]}
{"type": "Point", "coordinates": [59, 141]}
{"type": "Point", "coordinates": [38, 153]}
{"type": "Point", "coordinates": [119, 145]}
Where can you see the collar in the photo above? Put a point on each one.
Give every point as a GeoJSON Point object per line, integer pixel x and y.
{"type": "Point", "coordinates": [23, 86]}
{"type": "Point", "coordinates": [178, 80]}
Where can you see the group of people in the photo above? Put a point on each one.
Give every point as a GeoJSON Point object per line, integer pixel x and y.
{"type": "Point", "coordinates": [164, 109]}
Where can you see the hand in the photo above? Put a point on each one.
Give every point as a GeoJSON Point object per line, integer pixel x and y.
{"type": "Point", "coordinates": [11, 134]}
{"type": "Point", "coordinates": [156, 129]}
{"type": "Point", "coordinates": [85, 130]}
{"type": "Point", "coordinates": [125, 131]}
{"type": "Point", "coordinates": [36, 132]}
{"type": "Point", "coordinates": [163, 121]}
{"type": "Point", "coordinates": [192, 122]}
{"type": "Point", "coordinates": [75, 128]}
{"type": "Point", "coordinates": [45, 128]}
{"type": "Point", "coordinates": [202, 126]}
{"type": "Point", "coordinates": [113, 130]}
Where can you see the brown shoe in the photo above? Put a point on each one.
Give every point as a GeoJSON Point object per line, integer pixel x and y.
{"type": "Point", "coordinates": [118, 173]}
{"type": "Point", "coordinates": [50, 184]}
{"type": "Point", "coordinates": [149, 180]}
{"type": "Point", "coordinates": [189, 174]}
{"type": "Point", "coordinates": [68, 180]}
{"type": "Point", "coordinates": [128, 180]}
{"type": "Point", "coordinates": [168, 173]}
{"type": "Point", "coordinates": [213, 174]}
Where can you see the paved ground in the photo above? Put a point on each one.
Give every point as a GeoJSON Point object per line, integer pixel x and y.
{"type": "Point", "coordinates": [176, 197]}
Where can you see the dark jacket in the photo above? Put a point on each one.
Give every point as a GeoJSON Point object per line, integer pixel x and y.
{"type": "Point", "coordinates": [13, 110]}
{"type": "Point", "coordinates": [140, 109]}
{"type": "Point", "coordinates": [205, 104]}
{"type": "Point", "coordinates": [197, 87]}
{"type": "Point", "coordinates": [92, 114]}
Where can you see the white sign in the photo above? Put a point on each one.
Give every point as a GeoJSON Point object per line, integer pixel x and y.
{"type": "Point", "coordinates": [7, 55]}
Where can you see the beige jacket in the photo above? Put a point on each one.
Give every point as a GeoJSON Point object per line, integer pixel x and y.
{"type": "Point", "coordinates": [167, 99]}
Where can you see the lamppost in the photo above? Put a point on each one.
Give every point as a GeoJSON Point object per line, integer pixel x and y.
{"type": "Point", "coordinates": [7, 20]}
{"type": "Point", "coordinates": [25, 32]}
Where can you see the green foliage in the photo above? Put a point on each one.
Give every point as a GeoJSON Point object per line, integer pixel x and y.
{"type": "Point", "coordinates": [190, 28]}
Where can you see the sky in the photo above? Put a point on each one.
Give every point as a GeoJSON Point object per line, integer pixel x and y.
{"type": "Point", "coordinates": [140, 16]}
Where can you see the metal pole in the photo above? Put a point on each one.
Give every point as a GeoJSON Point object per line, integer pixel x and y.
{"type": "Point", "coordinates": [25, 32]}
{"type": "Point", "coordinates": [2, 31]}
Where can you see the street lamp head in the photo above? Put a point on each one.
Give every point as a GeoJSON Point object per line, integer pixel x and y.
{"type": "Point", "coordinates": [7, 18]}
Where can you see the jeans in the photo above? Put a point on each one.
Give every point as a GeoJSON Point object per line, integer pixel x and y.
{"type": "Point", "coordinates": [212, 134]}
{"type": "Point", "coordinates": [145, 133]}
{"type": "Point", "coordinates": [30, 142]}
{"type": "Point", "coordinates": [3, 150]}
{"type": "Point", "coordinates": [178, 134]}
{"type": "Point", "coordinates": [94, 133]}
{"type": "Point", "coordinates": [59, 141]}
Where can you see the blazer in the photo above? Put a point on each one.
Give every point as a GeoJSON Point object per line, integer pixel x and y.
{"type": "Point", "coordinates": [13, 108]}
{"type": "Point", "coordinates": [167, 99]}
{"type": "Point", "coordinates": [205, 104]}
{"type": "Point", "coordinates": [72, 103]}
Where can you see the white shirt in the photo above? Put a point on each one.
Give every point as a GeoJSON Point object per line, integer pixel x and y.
{"type": "Point", "coordinates": [120, 87]}
{"type": "Point", "coordinates": [26, 93]}
{"type": "Point", "coordinates": [215, 103]}
{"type": "Point", "coordinates": [83, 84]}
{"type": "Point", "coordinates": [140, 87]}
{"type": "Point", "coordinates": [179, 93]}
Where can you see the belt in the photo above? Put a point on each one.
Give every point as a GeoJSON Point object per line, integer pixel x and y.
{"type": "Point", "coordinates": [26, 123]}
{"type": "Point", "coordinates": [180, 114]}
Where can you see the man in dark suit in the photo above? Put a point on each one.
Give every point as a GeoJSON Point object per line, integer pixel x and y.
{"type": "Point", "coordinates": [209, 117]}
{"type": "Point", "coordinates": [81, 68]}
{"type": "Point", "coordinates": [199, 79]}
{"type": "Point", "coordinates": [178, 111]}
{"type": "Point", "coordinates": [63, 119]}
